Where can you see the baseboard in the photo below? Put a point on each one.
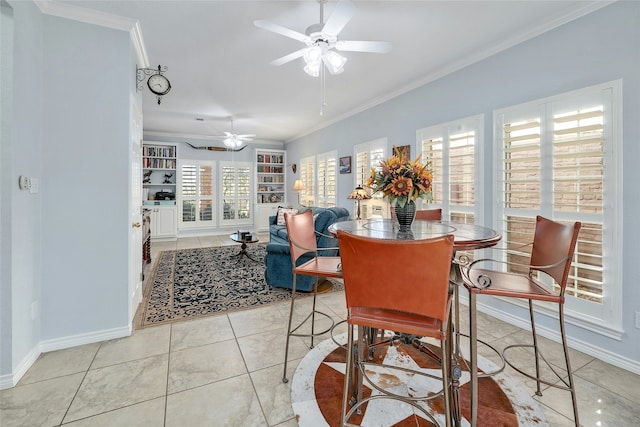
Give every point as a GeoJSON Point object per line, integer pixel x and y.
{"type": "Point", "coordinates": [76, 340]}
{"type": "Point", "coordinates": [10, 380]}
{"type": "Point", "coordinates": [583, 346]}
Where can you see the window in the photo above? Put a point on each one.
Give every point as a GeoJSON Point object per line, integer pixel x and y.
{"type": "Point", "coordinates": [307, 176]}
{"type": "Point", "coordinates": [196, 194]}
{"type": "Point", "coordinates": [326, 167]}
{"type": "Point", "coordinates": [369, 155]}
{"type": "Point", "coordinates": [452, 148]}
{"type": "Point", "coordinates": [557, 158]}
{"type": "Point", "coordinates": [235, 191]}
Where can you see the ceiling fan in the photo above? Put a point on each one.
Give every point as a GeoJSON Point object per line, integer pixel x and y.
{"type": "Point", "coordinates": [233, 140]}
{"type": "Point", "coordinates": [322, 38]}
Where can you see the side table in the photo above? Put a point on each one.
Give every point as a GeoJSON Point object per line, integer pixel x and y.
{"type": "Point", "coordinates": [243, 247]}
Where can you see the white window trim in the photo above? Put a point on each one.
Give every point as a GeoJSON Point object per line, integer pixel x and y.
{"type": "Point", "coordinates": [606, 318]}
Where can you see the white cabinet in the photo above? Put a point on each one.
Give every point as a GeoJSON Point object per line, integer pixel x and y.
{"type": "Point", "coordinates": [263, 212]}
{"type": "Point", "coordinates": [164, 223]}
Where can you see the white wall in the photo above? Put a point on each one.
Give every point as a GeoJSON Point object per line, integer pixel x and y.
{"type": "Point", "coordinates": [68, 256]}
{"type": "Point", "coordinates": [86, 111]}
{"type": "Point", "coordinates": [21, 211]}
{"type": "Point", "coordinates": [597, 48]}
{"type": "Point", "coordinates": [6, 127]}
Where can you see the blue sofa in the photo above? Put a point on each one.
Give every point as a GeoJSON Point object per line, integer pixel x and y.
{"type": "Point", "coordinates": [279, 269]}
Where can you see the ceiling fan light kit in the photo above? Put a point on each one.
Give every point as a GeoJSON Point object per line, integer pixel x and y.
{"type": "Point", "coordinates": [232, 140]}
{"type": "Point", "coordinates": [322, 38]}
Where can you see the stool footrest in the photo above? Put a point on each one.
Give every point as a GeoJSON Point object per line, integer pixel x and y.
{"type": "Point", "coordinates": [533, 377]}
{"type": "Point", "coordinates": [315, 334]}
{"type": "Point", "coordinates": [492, 348]}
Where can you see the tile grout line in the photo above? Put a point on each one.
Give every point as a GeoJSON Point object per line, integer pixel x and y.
{"type": "Point", "coordinates": [66, 412]}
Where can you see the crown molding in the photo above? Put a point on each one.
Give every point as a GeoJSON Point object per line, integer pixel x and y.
{"type": "Point", "coordinates": [103, 19]}
{"type": "Point", "coordinates": [572, 15]}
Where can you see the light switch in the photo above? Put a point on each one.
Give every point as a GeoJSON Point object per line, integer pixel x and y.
{"type": "Point", "coordinates": [35, 186]}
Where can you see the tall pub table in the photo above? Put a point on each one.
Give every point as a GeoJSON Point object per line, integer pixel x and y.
{"type": "Point", "coordinates": [466, 237]}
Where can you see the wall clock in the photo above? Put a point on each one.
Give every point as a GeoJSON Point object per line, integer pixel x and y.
{"type": "Point", "coordinates": [157, 82]}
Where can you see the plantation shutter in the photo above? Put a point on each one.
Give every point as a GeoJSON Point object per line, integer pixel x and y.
{"type": "Point", "coordinates": [235, 181]}
{"type": "Point", "coordinates": [369, 155]}
{"type": "Point", "coordinates": [189, 189]}
{"type": "Point", "coordinates": [327, 166]}
{"type": "Point", "coordinates": [432, 151]}
{"type": "Point", "coordinates": [196, 194]}
{"type": "Point", "coordinates": [451, 149]}
{"type": "Point", "coordinates": [553, 165]}
{"type": "Point", "coordinates": [578, 187]}
{"type": "Point", "coordinates": [521, 166]}
{"type": "Point", "coordinates": [307, 176]}
{"type": "Point", "coordinates": [205, 190]}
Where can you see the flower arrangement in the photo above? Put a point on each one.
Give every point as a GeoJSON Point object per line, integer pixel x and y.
{"type": "Point", "coordinates": [402, 180]}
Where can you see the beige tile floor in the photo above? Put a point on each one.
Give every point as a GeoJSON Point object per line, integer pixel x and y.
{"type": "Point", "coordinates": [226, 370]}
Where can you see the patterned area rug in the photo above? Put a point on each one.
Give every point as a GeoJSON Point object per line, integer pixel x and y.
{"type": "Point", "coordinates": [317, 386]}
{"type": "Point", "coordinates": [191, 283]}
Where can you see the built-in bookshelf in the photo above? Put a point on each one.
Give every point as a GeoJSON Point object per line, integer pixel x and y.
{"type": "Point", "coordinates": [159, 164]}
{"type": "Point", "coordinates": [270, 172]}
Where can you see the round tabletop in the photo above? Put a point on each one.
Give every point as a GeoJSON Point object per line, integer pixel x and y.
{"type": "Point", "coordinates": [466, 236]}
{"type": "Point", "coordinates": [236, 238]}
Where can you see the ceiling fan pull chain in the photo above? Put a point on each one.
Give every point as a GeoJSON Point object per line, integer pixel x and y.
{"type": "Point", "coordinates": [323, 102]}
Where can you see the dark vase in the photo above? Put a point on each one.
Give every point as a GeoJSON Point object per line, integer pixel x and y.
{"type": "Point", "coordinates": [405, 215]}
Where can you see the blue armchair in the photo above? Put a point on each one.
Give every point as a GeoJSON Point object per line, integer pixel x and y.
{"type": "Point", "coordinates": [279, 269]}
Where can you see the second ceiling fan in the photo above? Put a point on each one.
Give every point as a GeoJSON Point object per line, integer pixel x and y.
{"type": "Point", "coordinates": [322, 41]}
{"type": "Point", "coordinates": [233, 140]}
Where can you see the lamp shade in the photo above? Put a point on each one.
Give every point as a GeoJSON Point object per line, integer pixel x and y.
{"type": "Point", "coordinates": [359, 193]}
{"type": "Point", "coordinates": [298, 185]}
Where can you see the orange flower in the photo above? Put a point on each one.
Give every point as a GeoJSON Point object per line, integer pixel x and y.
{"type": "Point", "coordinates": [401, 186]}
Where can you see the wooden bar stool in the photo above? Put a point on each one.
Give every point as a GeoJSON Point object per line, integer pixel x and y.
{"type": "Point", "coordinates": [551, 253]}
{"type": "Point", "coordinates": [302, 244]}
{"type": "Point", "coordinates": [401, 286]}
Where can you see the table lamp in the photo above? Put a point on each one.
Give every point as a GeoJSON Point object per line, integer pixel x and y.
{"type": "Point", "coordinates": [359, 194]}
{"type": "Point", "coordinates": [298, 186]}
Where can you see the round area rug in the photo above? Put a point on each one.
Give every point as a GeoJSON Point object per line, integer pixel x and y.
{"type": "Point", "coordinates": [317, 385]}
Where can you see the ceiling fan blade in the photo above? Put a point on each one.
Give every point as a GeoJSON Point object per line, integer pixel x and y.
{"type": "Point", "coordinates": [247, 136]}
{"type": "Point", "coordinates": [290, 57]}
{"type": "Point", "coordinates": [279, 29]}
{"type": "Point", "coordinates": [364, 46]}
{"type": "Point", "coordinates": [343, 12]}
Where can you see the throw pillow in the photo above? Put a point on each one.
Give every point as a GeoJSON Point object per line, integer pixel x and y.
{"type": "Point", "coordinates": [281, 212]}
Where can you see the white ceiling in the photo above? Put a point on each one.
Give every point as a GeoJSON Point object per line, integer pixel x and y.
{"type": "Point", "coordinates": [218, 61]}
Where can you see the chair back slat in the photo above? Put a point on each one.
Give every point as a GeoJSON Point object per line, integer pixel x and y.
{"type": "Point", "coordinates": [424, 214]}
{"type": "Point", "coordinates": [554, 242]}
{"type": "Point", "coordinates": [408, 276]}
{"type": "Point", "coordinates": [429, 214]}
{"type": "Point", "coordinates": [302, 236]}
